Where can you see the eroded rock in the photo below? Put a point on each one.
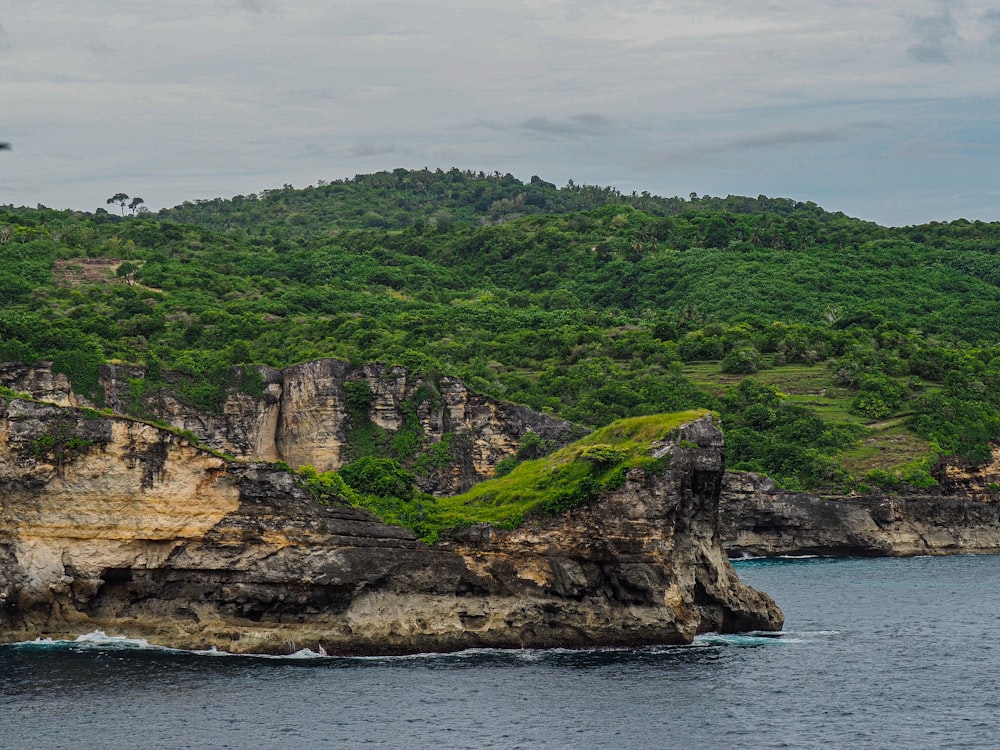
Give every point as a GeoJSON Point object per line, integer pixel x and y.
{"type": "Point", "coordinates": [137, 532]}
{"type": "Point", "coordinates": [311, 413]}
{"type": "Point", "coordinates": [758, 519]}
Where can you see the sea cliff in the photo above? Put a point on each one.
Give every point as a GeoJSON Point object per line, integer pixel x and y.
{"type": "Point", "coordinates": [304, 415]}
{"type": "Point", "coordinates": [760, 520]}
{"type": "Point", "coordinates": [114, 524]}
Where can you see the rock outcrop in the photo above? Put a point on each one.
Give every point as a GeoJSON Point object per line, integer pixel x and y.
{"type": "Point", "coordinates": [756, 519]}
{"type": "Point", "coordinates": [112, 524]}
{"type": "Point", "coordinates": [976, 482]}
{"type": "Point", "coordinates": [39, 381]}
{"type": "Point", "coordinates": [311, 413]}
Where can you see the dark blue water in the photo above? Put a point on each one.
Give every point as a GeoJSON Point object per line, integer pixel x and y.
{"type": "Point", "coordinates": [875, 654]}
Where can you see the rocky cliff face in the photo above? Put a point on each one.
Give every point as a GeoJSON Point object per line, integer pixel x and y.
{"type": "Point", "coordinates": [759, 520]}
{"type": "Point", "coordinates": [39, 381]}
{"type": "Point", "coordinates": [314, 412]}
{"type": "Point", "coordinates": [979, 482]}
{"type": "Point", "coordinates": [113, 524]}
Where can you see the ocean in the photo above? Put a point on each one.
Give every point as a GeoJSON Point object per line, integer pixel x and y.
{"type": "Point", "coordinates": [876, 653]}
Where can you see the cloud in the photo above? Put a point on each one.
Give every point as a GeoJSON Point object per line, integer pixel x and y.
{"type": "Point", "coordinates": [930, 149]}
{"type": "Point", "coordinates": [777, 139]}
{"type": "Point", "coordinates": [254, 6]}
{"type": "Point", "coordinates": [372, 149]}
{"type": "Point", "coordinates": [933, 32]}
{"type": "Point", "coordinates": [586, 124]}
{"type": "Point", "coordinates": [991, 19]}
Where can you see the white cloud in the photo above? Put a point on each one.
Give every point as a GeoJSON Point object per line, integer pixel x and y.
{"type": "Point", "coordinates": [824, 101]}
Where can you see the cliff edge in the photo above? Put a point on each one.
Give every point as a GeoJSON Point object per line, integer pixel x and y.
{"type": "Point", "coordinates": [110, 523]}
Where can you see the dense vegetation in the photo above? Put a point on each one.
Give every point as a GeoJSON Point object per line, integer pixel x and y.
{"type": "Point", "coordinates": [838, 352]}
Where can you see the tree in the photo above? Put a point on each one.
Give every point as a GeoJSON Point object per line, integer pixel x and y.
{"type": "Point", "coordinates": [127, 271]}
{"type": "Point", "coordinates": [135, 203]}
{"type": "Point", "coordinates": [378, 476]}
{"type": "Point", "coordinates": [120, 199]}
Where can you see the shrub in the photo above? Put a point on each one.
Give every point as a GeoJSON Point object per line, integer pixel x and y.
{"type": "Point", "coordinates": [602, 456]}
{"type": "Point", "coordinates": [378, 476]}
{"type": "Point", "coordinates": [744, 360]}
{"type": "Point", "coordinates": [325, 487]}
{"type": "Point", "coordinates": [878, 396]}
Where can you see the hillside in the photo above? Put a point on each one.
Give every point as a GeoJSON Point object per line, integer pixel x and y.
{"type": "Point", "coordinates": [837, 352]}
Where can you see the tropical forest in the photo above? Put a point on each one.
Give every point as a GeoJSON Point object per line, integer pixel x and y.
{"type": "Point", "coordinates": [839, 355]}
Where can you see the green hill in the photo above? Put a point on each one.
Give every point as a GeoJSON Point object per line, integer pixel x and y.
{"type": "Point", "coordinates": [818, 338]}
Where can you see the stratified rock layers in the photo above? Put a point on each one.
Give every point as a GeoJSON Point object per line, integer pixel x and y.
{"type": "Point", "coordinates": [759, 520]}
{"type": "Point", "coordinates": [112, 524]}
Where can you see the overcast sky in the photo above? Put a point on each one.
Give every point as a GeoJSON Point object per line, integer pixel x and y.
{"type": "Point", "coordinates": [887, 111]}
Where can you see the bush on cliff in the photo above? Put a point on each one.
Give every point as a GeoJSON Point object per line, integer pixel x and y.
{"type": "Point", "coordinates": [567, 478]}
{"type": "Point", "coordinates": [383, 477]}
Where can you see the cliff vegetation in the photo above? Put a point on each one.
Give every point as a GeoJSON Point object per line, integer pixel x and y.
{"type": "Point", "coordinates": [567, 478]}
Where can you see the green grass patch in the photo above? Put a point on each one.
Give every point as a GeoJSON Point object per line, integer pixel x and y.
{"type": "Point", "coordinates": [793, 380]}
{"type": "Point", "coordinates": [569, 477]}
{"type": "Point", "coordinates": [887, 445]}
{"type": "Point", "coordinates": [886, 448]}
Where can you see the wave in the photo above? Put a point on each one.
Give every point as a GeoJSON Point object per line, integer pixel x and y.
{"type": "Point", "coordinates": [743, 639]}
{"type": "Point", "coordinates": [763, 638]}
{"type": "Point", "coordinates": [99, 641]}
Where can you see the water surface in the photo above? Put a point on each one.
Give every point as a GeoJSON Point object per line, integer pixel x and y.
{"type": "Point", "coordinates": [875, 654]}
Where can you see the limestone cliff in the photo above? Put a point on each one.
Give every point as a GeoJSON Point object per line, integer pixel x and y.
{"type": "Point", "coordinates": [316, 412]}
{"type": "Point", "coordinates": [759, 520]}
{"type": "Point", "coordinates": [39, 381]}
{"type": "Point", "coordinates": [975, 482]}
{"type": "Point", "coordinates": [112, 524]}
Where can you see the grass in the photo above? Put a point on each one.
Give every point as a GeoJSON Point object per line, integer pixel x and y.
{"type": "Point", "coordinates": [888, 445]}
{"type": "Point", "coordinates": [570, 476]}
{"type": "Point", "coordinates": [810, 386]}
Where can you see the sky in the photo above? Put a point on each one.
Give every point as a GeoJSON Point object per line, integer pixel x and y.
{"type": "Point", "coordinates": [887, 111]}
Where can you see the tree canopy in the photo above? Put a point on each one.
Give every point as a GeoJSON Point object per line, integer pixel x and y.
{"type": "Point", "coordinates": [581, 301]}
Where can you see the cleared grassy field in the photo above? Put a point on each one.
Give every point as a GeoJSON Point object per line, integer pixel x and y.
{"type": "Point", "coordinates": [888, 444]}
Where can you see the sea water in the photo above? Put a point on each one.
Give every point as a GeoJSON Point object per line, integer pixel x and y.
{"type": "Point", "coordinates": [878, 653]}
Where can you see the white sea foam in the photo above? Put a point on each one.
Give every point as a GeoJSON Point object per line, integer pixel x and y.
{"type": "Point", "coordinates": [307, 653]}
{"type": "Point", "coordinates": [98, 640]}
{"type": "Point", "coordinates": [102, 639]}
{"type": "Point", "coordinates": [753, 558]}
{"type": "Point", "coordinates": [799, 557]}
{"type": "Point", "coordinates": [744, 555]}
{"type": "Point", "coordinates": [755, 638]}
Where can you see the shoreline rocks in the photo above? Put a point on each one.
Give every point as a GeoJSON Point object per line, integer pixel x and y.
{"type": "Point", "coordinates": [759, 520]}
